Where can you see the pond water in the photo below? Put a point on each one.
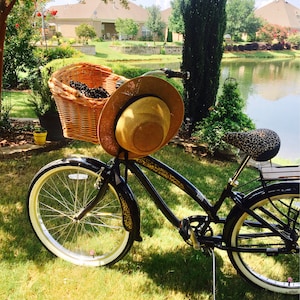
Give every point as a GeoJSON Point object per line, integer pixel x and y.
{"type": "Point", "coordinates": [271, 89]}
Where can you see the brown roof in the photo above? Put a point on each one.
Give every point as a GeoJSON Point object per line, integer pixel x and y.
{"type": "Point", "coordinates": [98, 9]}
{"type": "Point", "coordinates": [165, 14]}
{"type": "Point", "coordinates": [280, 12]}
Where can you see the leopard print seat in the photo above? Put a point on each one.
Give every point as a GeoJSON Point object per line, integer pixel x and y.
{"type": "Point", "coordinates": [259, 144]}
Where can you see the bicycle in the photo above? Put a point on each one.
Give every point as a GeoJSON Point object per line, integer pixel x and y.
{"type": "Point", "coordinates": [84, 211]}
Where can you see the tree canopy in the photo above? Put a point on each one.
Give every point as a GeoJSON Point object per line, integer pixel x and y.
{"type": "Point", "coordinates": [19, 51]}
{"type": "Point", "coordinates": [241, 18]}
{"type": "Point", "coordinates": [127, 27]}
{"type": "Point", "coordinates": [154, 22]}
{"type": "Point", "coordinates": [85, 32]}
{"type": "Point", "coordinates": [176, 23]}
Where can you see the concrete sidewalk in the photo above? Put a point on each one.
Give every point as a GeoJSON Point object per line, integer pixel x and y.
{"type": "Point", "coordinates": [28, 149]}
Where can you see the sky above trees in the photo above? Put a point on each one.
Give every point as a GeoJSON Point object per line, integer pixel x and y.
{"type": "Point", "coordinates": [166, 3]}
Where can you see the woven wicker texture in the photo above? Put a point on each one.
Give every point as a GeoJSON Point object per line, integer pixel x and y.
{"type": "Point", "coordinates": [79, 114]}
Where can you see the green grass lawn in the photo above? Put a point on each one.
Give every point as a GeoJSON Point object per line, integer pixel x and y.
{"type": "Point", "coordinates": [161, 267]}
{"type": "Point", "coordinates": [17, 101]}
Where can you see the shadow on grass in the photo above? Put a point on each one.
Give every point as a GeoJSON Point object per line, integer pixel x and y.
{"type": "Point", "coordinates": [184, 270]}
{"type": "Point", "coordinates": [190, 272]}
{"type": "Point", "coordinates": [18, 241]}
{"type": "Point", "coordinates": [101, 55]}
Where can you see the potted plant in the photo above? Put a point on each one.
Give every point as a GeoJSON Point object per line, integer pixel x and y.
{"type": "Point", "coordinates": [44, 105]}
{"type": "Point", "coordinates": [39, 135]}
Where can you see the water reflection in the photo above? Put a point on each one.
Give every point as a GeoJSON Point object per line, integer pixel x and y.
{"type": "Point", "coordinates": [272, 90]}
{"type": "Point", "coordinates": [273, 80]}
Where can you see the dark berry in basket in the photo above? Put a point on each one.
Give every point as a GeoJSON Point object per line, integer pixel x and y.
{"type": "Point", "coordinates": [120, 82]}
{"type": "Point", "coordinates": [78, 85]}
{"type": "Point", "coordinates": [98, 92]}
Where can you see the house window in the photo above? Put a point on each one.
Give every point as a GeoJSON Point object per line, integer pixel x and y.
{"type": "Point", "coordinates": [146, 32]}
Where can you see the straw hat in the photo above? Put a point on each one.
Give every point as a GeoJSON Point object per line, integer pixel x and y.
{"type": "Point", "coordinates": [140, 117]}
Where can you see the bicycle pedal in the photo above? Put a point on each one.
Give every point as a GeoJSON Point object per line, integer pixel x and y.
{"type": "Point", "coordinates": [196, 244]}
{"type": "Point", "coordinates": [184, 229]}
{"type": "Point", "coordinates": [207, 251]}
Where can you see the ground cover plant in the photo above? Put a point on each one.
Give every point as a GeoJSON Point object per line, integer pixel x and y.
{"type": "Point", "coordinates": [161, 267]}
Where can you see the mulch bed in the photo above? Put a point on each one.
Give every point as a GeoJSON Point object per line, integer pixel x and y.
{"type": "Point", "coordinates": [19, 132]}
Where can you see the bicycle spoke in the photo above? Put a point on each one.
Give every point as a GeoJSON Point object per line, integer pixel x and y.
{"type": "Point", "coordinates": [98, 237]}
{"type": "Point", "coordinates": [268, 256]}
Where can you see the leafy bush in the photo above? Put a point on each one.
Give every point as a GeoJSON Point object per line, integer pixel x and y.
{"type": "Point", "coordinates": [128, 71]}
{"type": "Point", "coordinates": [47, 55]}
{"type": "Point", "coordinates": [41, 97]}
{"type": "Point", "coordinates": [5, 122]}
{"type": "Point", "coordinates": [126, 27]}
{"type": "Point", "coordinates": [226, 116]}
{"type": "Point", "coordinates": [294, 40]}
{"type": "Point", "coordinates": [85, 32]}
{"type": "Point", "coordinates": [131, 72]}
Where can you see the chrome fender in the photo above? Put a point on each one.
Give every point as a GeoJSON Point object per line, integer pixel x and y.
{"type": "Point", "coordinates": [260, 193]}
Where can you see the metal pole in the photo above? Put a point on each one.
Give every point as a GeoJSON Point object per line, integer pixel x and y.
{"type": "Point", "coordinates": [214, 273]}
{"type": "Point", "coordinates": [43, 27]}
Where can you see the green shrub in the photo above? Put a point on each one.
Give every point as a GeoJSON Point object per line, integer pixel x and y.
{"type": "Point", "coordinates": [294, 40]}
{"type": "Point", "coordinates": [128, 71]}
{"type": "Point", "coordinates": [226, 116]}
{"type": "Point", "coordinates": [47, 55]}
{"type": "Point", "coordinates": [132, 72]}
{"type": "Point", "coordinates": [5, 122]}
{"type": "Point", "coordinates": [41, 97]}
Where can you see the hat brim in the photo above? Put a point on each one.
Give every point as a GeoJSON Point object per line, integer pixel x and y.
{"type": "Point", "coordinates": [144, 85]}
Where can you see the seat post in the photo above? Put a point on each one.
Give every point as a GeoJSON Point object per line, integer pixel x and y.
{"type": "Point", "coordinates": [239, 170]}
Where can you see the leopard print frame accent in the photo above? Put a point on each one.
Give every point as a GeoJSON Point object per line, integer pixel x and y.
{"type": "Point", "coordinates": [260, 144]}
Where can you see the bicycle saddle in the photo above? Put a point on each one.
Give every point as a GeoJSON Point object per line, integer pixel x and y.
{"type": "Point", "coordinates": [259, 144]}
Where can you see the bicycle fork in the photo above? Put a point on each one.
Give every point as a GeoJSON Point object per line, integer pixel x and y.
{"type": "Point", "coordinates": [101, 185]}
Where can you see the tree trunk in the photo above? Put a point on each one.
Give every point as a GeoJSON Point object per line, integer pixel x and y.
{"type": "Point", "coordinates": [5, 9]}
{"type": "Point", "coordinates": [205, 22]}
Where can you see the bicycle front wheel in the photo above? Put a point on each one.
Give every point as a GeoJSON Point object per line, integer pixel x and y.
{"type": "Point", "coordinates": [56, 196]}
{"type": "Point", "coordinates": [263, 256]}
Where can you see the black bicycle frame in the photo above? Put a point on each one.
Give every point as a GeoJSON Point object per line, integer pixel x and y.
{"type": "Point", "coordinates": [181, 182]}
{"type": "Point", "coordinates": [177, 179]}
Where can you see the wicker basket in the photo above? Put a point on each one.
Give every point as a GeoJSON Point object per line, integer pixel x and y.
{"type": "Point", "coordinates": [79, 114]}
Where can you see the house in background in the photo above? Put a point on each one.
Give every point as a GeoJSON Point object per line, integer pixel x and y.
{"type": "Point", "coordinates": [165, 14]}
{"type": "Point", "coordinates": [280, 12]}
{"type": "Point", "coordinates": [99, 15]}
{"type": "Point", "coordinates": [103, 16]}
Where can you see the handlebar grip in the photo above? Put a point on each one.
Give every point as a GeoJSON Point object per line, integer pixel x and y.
{"type": "Point", "coordinates": [175, 74]}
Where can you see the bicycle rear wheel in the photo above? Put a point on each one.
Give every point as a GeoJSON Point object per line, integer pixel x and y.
{"type": "Point", "coordinates": [262, 256]}
{"type": "Point", "coordinates": [56, 196]}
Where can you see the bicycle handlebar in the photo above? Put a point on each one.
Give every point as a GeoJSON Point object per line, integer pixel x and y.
{"type": "Point", "coordinates": [169, 73]}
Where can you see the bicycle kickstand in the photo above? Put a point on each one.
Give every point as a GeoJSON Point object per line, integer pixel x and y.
{"type": "Point", "coordinates": [214, 272]}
